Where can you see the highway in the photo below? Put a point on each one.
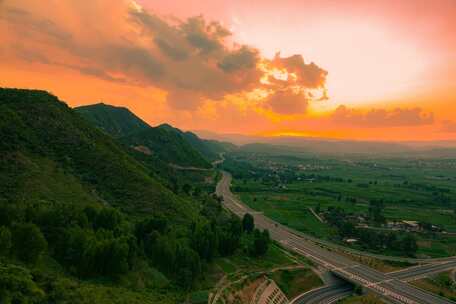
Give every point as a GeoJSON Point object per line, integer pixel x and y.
{"type": "Point", "coordinates": [390, 286]}
{"type": "Point", "coordinates": [422, 271]}
{"type": "Point", "coordinates": [325, 294]}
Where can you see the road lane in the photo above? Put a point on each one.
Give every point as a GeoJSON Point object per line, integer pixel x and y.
{"type": "Point", "coordinates": [326, 294]}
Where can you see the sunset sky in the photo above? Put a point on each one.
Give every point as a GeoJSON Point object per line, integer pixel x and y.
{"type": "Point", "coordinates": [375, 70]}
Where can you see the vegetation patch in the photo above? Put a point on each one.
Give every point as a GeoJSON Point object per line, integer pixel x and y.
{"type": "Point", "coordinates": [442, 284]}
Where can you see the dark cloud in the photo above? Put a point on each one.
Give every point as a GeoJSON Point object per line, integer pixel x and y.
{"type": "Point", "coordinates": [196, 59]}
{"type": "Point", "coordinates": [398, 117]}
{"type": "Point", "coordinates": [170, 50]}
{"type": "Point", "coordinates": [189, 59]}
{"type": "Point", "coordinates": [205, 37]}
{"type": "Point", "coordinates": [33, 26]}
{"type": "Point", "coordinates": [91, 71]}
{"type": "Point", "coordinates": [133, 60]}
{"type": "Point", "coordinates": [240, 59]}
{"type": "Point", "coordinates": [287, 102]}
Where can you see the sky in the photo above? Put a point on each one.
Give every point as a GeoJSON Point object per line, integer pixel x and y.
{"type": "Point", "coordinates": [364, 70]}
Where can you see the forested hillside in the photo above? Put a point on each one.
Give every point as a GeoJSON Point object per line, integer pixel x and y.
{"type": "Point", "coordinates": [164, 143]}
{"type": "Point", "coordinates": [210, 149]}
{"type": "Point", "coordinates": [82, 221]}
{"type": "Point", "coordinates": [117, 121]}
{"type": "Point", "coordinates": [167, 145]}
{"type": "Point", "coordinates": [159, 146]}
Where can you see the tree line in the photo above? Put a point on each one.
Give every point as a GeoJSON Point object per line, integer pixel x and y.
{"type": "Point", "coordinates": [94, 241]}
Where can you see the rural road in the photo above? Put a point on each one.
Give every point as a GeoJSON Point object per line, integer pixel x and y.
{"type": "Point", "coordinates": [390, 286]}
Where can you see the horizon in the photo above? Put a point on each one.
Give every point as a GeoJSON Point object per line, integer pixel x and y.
{"type": "Point", "coordinates": [377, 71]}
{"type": "Point", "coordinates": [243, 139]}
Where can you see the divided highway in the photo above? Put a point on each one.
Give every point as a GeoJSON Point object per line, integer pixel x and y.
{"type": "Point", "coordinates": [390, 286]}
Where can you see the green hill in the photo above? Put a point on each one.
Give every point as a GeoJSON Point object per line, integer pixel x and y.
{"type": "Point", "coordinates": [55, 151]}
{"type": "Point", "coordinates": [169, 146]}
{"type": "Point", "coordinates": [161, 145]}
{"type": "Point", "coordinates": [210, 149]}
{"type": "Point", "coordinates": [83, 221]}
{"type": "Point", "coordinates": [117, 121]}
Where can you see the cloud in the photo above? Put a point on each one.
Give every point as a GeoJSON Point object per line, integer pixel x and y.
{"type": "Point", "coordinates": [307, 75]}
{"type": "Point", "coordinates": [170, 50]}
{"type": "Point", "coordinates": [31, 25]}
{"type": "Point", "coordinates": [189, 59]}
{"type": "Point", "coordinates": [287, 102]}
{"type": "Point", "coordinates": [240, 59]}
{"type": "Point", "coordinates": [374, 118]}
{"type": "Point", "coordinates": [205, 37]}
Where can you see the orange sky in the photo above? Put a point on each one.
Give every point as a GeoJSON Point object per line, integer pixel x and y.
{"type": "Point", "coordinates": [379, 70]}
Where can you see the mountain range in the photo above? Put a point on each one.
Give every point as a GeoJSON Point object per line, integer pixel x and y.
{"type": "Point", "coordinates": [164, 142]}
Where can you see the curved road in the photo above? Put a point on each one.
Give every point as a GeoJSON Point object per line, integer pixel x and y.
{"type": "Point", "coordinates": [325, 294]}
{"type": "Point", "coordinates": [386, 285]}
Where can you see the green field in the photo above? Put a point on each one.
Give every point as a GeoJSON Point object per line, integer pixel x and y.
{"type": "Point", "coordinates": [286, 187]}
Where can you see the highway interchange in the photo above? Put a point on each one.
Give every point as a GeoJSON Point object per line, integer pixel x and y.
{"type": "Point", "coordinates": [391, 286]}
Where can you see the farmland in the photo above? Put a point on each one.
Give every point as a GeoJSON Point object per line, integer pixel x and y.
{"type": "Point", "coordinates": [408, 199]}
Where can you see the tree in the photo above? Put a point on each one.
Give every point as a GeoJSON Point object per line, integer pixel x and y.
{"type": "Point", "coordinates": [5, 241]}
{"type": "Point", "coordinates": [187, 265]}
{"type": "Point", "coordinates": [261, 242]}
{"type": "Point", "coordinates": [115, 256]}
{"type": "Point", "coordinates": [204, 240]}
{"type": "Point", "coordinates": [229, 236]}
{"type": "Point", "coordinates": [8, 214]}
{"type": "Point", "coordinates": [197, 192]}
{"type": "Point", "coordinates": [187, 188]}
{"type": "Point", "coordinates": [108, 218]}
{"type": "Point", "coordinates": [17, 286]}
{"type": "Point", "coordinates": [28, 242]}
{"type": "Point", "coordinates": [409, 245]}
{"type": "Point", "coordinates": [376, 211]}
{"type": "Point", "coordinates": [248, 223]}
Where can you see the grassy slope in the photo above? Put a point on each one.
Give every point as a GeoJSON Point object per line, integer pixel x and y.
{"type": "Point", "coordinates": [297, 281]}
{"type": "Point", "coordinates": [241, 270]}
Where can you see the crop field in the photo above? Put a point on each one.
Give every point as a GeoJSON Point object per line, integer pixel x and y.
{"type": "Point", "coordinates": [294, 189]}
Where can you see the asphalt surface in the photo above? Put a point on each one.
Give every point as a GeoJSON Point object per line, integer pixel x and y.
{"type": "Point", "coordinates": [326, 294]}
{"type": "Point", "coordinates": [386, 285]}
{"type": "Point", "coordinates": [422, 271]}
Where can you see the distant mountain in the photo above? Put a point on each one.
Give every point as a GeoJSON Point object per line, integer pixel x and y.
{"type": "Point", "coordinates": [327, 146]}
{"type": "Point", "coordinates": [116, 121]}
{"type": "Point", "coordinates": [56, 155]}
{"type": "Point", "coordinates": [210, 149]}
